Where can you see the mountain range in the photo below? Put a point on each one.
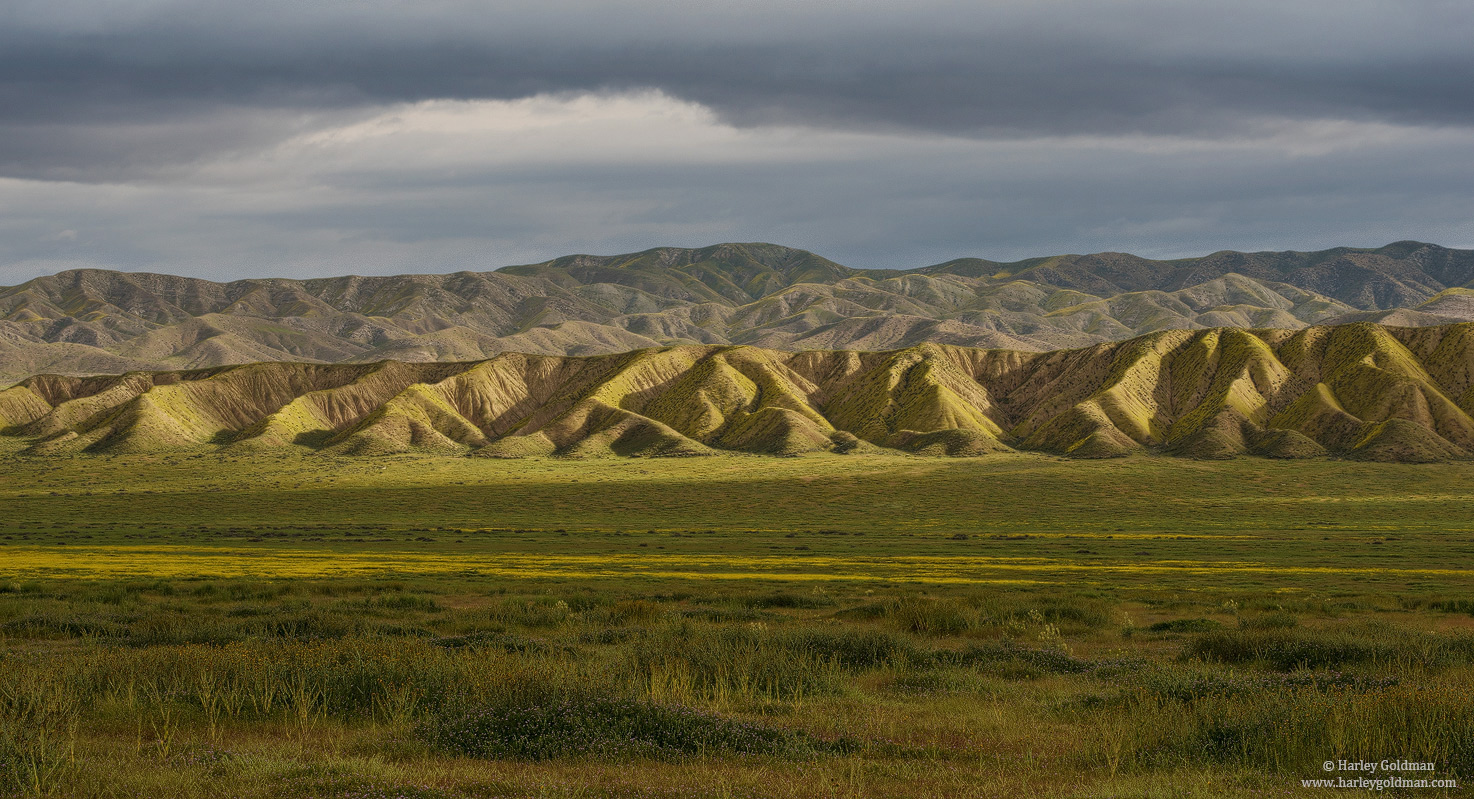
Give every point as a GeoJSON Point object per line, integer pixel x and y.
{"type": "Point", "coordinates": [760, 295]}
{"type": "Point", "coordinates": [1359, 390]}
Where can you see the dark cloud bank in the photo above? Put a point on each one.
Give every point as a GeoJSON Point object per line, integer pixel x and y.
{"type": "Point", "coordinates": [289, 138]}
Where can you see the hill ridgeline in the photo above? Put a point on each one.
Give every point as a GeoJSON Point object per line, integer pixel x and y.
{"type": "Point", "coordinates": [1359, 390]}
{"type": "Point", "coordinates": [759, 295]}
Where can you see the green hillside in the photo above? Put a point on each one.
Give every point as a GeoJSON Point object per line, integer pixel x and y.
{"type": "Point", "coordinates": [1357, 391]}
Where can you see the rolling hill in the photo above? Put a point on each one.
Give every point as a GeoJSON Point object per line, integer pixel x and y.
{"type": "Point", "coordinates": [1359, 390]}
{"type": "Point", "coordinates": [759, 295]}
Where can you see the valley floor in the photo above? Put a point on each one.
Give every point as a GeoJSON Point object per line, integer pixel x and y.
{"type": "Point", "coordinates": [858, 625]}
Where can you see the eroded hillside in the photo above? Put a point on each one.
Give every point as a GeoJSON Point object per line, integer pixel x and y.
{"type": "Point", "coordinates": [759, 295]}
{"type": "Point", "coordinates": [1359, 390]}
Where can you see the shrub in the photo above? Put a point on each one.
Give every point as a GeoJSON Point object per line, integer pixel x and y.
{"type": "Point", "coordinates": [600, 727]}
{"type": "Point", "coordinates": [530, 613]}
{"type": "Point", "coordinates": [1010, 659]}
{"type": "Point", "coordinates": [855, 649]}
{"type": "Point", "coordinates": [1185, 626]}
{"type": "Point", "coordinates": [1189, 684]}
{"type": "Point", "coordinates": [1278, 620]}
{"type": "Point", "coordinates": [1293, 729]}
{"type": "Point", "coordinates": [931, 617]}
{"type": "Point", "coordinates": [1085, 613]}
{"type": "Point", "coordinates": [48, 624]}
{"type": "Point", "coordinates": [401, 602]}
{"type": "Point", "coordinates": [1302, 649]}
{"type": "Point", "coordinates": [866, 612]}
{"type": "Point", "coordinates": [635, 610]}
{"type": "Point", "coordinates": [751, 663]}
{"type": "Point", "coordinates": [1453, 605]}
{"type": "Point", "coordinates": [1286, 650]}
{"type": "Point", "coordinates": [1003, 609]}
{"type": "Point", "coordinates": [787, 599]}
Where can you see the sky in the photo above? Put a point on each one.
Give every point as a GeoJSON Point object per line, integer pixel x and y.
{"type": "Point", "coordinates": [284, 138]}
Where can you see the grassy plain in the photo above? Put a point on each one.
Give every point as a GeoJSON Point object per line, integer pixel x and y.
{"type": "Point", "coordinates": [422, 626]}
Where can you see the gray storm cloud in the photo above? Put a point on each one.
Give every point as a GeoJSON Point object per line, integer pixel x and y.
{"type": "Point", "coordinates": [309, 138]}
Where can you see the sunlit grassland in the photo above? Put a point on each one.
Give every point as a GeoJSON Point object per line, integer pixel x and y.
{"type": "Point", "coordinates": [297, 625]}
{"type": "Point", "coordinates": [1290, 526]}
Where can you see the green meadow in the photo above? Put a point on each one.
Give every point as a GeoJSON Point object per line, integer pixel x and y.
{"type": "Point", "coordinates": [298, 625]}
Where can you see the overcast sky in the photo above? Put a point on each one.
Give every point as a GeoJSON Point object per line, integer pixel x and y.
{"type": "Point", "coordinates": [290, 138]}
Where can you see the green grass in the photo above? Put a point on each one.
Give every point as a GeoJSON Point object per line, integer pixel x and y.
{"type": "Point", "coordinates": [1248, 523]}
{"type": "Point", "coordinates": [857, 626]}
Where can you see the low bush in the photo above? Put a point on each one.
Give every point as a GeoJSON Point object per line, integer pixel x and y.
{"type": "Point", "coordinates": [932, 617]}
{"type": "Point", "coordinates": [1009, 659]}
{"type": "Point", "coordinates": [633, 610]}
{"type": "Point", "coordinates": [1289, 649]}
{"type": "Point", "coordinates": [1186, 684]}
{"type": "Point", "coordinates": [398, 602]}
{"type": "Point", "coordinates": [1460, 605]}
{"type": "Point", "coordinates": [752, 663]}
{"type": "Point", "coordinates": [1185, 626]}
{"type": "Point", "coordinates": [1293, 728]}
{"type": "Point", "coordinates": [600, 727]}
{"type": "Point", "coordinates": [530, 613]}
{"type": "Point", "coordinates": [787, 599]}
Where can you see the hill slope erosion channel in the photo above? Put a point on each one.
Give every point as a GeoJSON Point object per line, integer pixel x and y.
{"type": "Point", "coordinates": [1359, 390]}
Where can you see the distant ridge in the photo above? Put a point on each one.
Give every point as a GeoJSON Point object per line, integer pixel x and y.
{"type": "Point", "coordinates": [760, 295]}
{"type": "Point", "coordinates": [1357, 391]}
